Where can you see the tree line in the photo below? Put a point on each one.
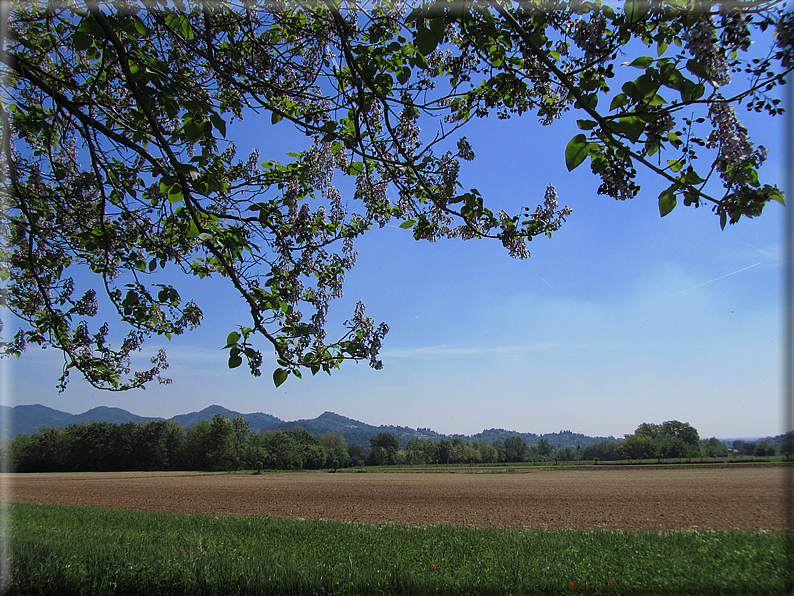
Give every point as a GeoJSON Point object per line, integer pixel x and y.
{"type": "Point", "coordinates": [224, 444]}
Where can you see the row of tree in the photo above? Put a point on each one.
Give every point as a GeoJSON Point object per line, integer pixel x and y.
{"type": "Point", "coordinates": [222, 444]}
{"type": "Point", "coordinates": [225, 444]}
{"type": "Point", "coordinates": [674, 439]}
{"type": "Point", "coordinates": [761, 448]}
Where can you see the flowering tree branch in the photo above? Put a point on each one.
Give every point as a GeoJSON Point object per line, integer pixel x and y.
{"type": "Point", "coordinates": [118, 162]}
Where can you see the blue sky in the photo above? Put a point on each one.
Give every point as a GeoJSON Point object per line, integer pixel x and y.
{"type": "Point", "coordinates": [622, 317]}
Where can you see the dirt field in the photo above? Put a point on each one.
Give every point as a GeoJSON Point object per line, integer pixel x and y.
{"type": "Point", "coordinates": [650, 498]}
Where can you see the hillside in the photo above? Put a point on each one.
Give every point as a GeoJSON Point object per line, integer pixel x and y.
{"type": "Point", "coordinates": [354, 431]}
{"type": "Point", "coordinates": [25, 420]}
{"type": "Point", "coordinates": [564, 438]}
{"type": "Point", "coordinates": [257, 422]}
{"type": "Point", "coordinates": [28, 419]}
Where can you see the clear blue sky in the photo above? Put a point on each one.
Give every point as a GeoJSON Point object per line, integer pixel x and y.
{"type": "Point", "coordinates": [621, 318]}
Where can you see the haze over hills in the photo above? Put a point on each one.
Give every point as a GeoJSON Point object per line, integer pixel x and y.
{"type": "Point", "coordinates": [28, 419]}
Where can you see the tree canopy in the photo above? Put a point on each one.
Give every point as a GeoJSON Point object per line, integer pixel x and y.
{"type": "Point", "coordinates": [669, 439]}
{"type": "Point", "coordinates": [118, 166]}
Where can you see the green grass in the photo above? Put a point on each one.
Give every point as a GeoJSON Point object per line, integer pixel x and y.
{"type": "Point", "coordinates": [64, 550]}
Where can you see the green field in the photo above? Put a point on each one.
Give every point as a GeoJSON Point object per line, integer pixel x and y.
{"type": "Point", "coordinates": [63, 550]}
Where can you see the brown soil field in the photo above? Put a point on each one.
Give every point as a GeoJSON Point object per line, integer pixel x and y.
{"type": "Point", "coordinates": [748, 497]}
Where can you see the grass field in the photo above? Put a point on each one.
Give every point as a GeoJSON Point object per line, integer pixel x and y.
{"type": "Point", "coordinates": [71, 550]}
{"type": "Point", "coordinates": [251, 539]}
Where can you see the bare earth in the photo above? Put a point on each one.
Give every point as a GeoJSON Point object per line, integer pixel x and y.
{"type": "Point", "coordinates": [641, 498]}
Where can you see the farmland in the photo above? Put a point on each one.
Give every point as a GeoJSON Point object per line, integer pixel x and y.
{"type": "Point", "coordinates": [582, 498]}
{"type": "Point", "coordinates": [710, 529]}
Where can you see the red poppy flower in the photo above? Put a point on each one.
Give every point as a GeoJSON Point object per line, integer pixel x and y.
{"type": "Point", "coordinates": [573, 585]}
{"type": "Point", "coordinates": [434, 566]}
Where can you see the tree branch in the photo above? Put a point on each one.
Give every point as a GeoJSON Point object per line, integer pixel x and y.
{"type": "Point", "coordinates": [584, 104]}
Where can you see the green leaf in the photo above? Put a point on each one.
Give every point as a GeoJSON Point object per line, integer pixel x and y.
{"type": "Point", "coordinates": [426, 41]}
{"type": "Point", "coordinates": [279, 376]}
{"type": "Point", "coordinates": [93, 54]}
{"type": "Point", "coordinates": [275, 117]}
{"type": "Point", "coordinates": [175, 194]}
{"type": "Point", "coordinates": [218, 123]}
{"type": "Point", "coordinates": [692, 177]}
{"type": "Point", "coordinates": [139, 25]}
{"type": "Point", "coordinates": [646, 86]}
{"type": "Point", "coordinates": [232, 338]}
{"type": "Point", "coordinates": [586, 124]}
{"type": "Point", "coordinates": [667, 202]}
{"type": "Point", "coordinates": [407, 224]}
{"type": "Point", "coordinates": [82, 41]}
{"type": "Point", "coordinates": [636, 10]}
{"type": "Point", "coordinates": [192, 230]}
{"type": "Point", "coordinates": [620, 100]}
{"type": "Point", "coordinates": [696, 68]}
{"type": "Point", "coordinates": [330, 126]}
{"type": "Point", "coordinates": [673, 78]}
{"type": "Point", "coordinates": [234, 358]}
{"type": "Point", "coordinates": [577, 150]}
{"type": "Point", "coordinates": [355, 168]}
{"type": "Point", "coordinates": [189, 170]}
{"type": "Point", "coordinates": [90, 25]}
{"type": "Point", "coordinates": [403, 75]}
{"type": "Point", "coordinates": [630, 89]}
{"type": "Point", "coordinates": [598, 163]}
{"type": "Point", "coordinates": [690, 198]}
{"type": "Point", "coordinates": [641, 62]}
{"type": "Point", "coordinates": [538, 39]}
{"type": "Point", "coordinates": [632, 127]}
{"type": "Point", "coordinates": [675, 164]}
{"type": "Point", "coordinates": [181, 23]}
{"type": "Point", "coordinates": [437, 26]}
{"type": "Point", "coordinates": [775, 195]}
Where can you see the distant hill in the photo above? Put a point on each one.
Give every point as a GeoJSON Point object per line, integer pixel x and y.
{"type": "Point", "coordinates": [256, 422]}
{"type": "Point", "coordinates": [29, 419]}
{"type": "Point", "coordinates": [25, 420]}
{"type": "Point", "coordinates": [354, 431]}
{"type": "Point", "coordinates": [564, 438]}
{"type": "Point", "coordinates": [111, 415]}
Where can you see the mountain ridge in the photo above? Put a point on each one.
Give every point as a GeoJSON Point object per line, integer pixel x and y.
{"type": "Point", "coordinates": [28, 419]}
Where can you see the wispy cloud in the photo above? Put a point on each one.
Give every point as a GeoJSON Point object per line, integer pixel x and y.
{"type": "Point", "coordinates": [772, 253]}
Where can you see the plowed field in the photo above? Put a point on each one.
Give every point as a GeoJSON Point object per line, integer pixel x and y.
{"type": "Point", "coordinates": [640, 498]}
